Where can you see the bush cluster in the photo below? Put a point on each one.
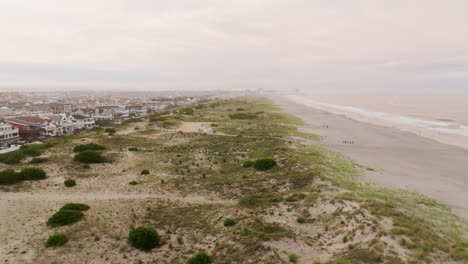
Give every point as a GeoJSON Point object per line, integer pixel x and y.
{"type": "Point", "coordinates": [229, 222]}
{"type": "Point", "coordinates": [264, 164]}
{"type": "Point", "coordinates": [15, 157]}
{"type": "Point", "coordinates": [248, 164]}
{"type": "Point", "coordinates": [65, 217]}
{"type": "Point", "coordinates": [89, 156]}
{"type": "Point", "coordinates": [37, 160]}
{"type": "Point", "coordinates": [75, 206]}
{"type": "Point", "coordinates": [144, 238]}
{"type": "Point", "coordinates": [56, 240]}
{"type": "Point", "coordinates": [69, 213]}
{"type": "Point", "coordinates": [200, 258]}
{"type": "Point", "coordinates": [132, 149]}
{"type": "Point", "coordinates": [90, 146]}
{"type": "Point", "coordinates": [145, 172]}
{"type": "Point", "coordinates": [69, 183]}
{"type": "Point", "coordinates": [9, 176]}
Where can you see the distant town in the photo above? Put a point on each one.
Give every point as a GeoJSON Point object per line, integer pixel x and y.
{"type": "Point", "coordinates": [31, 116]}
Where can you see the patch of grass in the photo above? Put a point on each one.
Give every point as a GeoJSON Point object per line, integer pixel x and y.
{"type": "Point", "coordinates": [259, 199]}
{"type": "Point", "coordinates": [186, 111]}
{"type": "Point", "coordinates": [89, 156]}
{"type": "Point", "coordinates": [293, 258]}
{"type": "Point", "coordinates": [9, 176]}
{"type": "Point", "coordinates": [56, 240]}
{"type": "Point", "coordinates": [301, 219]}
{"type": "Point", "coordinates": [69, 183]}
{"type": "Point", "coordinates": [75, 206]}
{"type": "Point", "coordinates": [305, 135]}
{"type": "Point", "coordinates": [247, 164]}
{"type": "Point", "coordinates": [110, 130]}
{"type": "Point", "coordinates": [13, 157]}
{"type": "Point", "coordinates": [200, 258]}
{"type": "Point", "coordinates": [38, 160]}
{"type": "Point", "coordinates": [267, 231]}
{"type": "Point", "coordinates": [144, 238]}
{"type": "Point", "coordinates": [264, 164]}
{"type": "Point", "coordinates": [90, 146]}
{"type": "Point", "coordinates": [229, 222]}
{"type": "Point", "coordinates": [65, 217]}
{"type": "Point", "coordinates": [242, 116]}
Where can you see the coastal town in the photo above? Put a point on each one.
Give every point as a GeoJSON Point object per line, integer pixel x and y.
{"type": "Point", "coordinates": [31, 116]}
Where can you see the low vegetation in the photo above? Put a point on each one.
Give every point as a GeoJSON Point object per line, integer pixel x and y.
{"type": "Point", "coordinates": [145, 172]}
{"type": "Point", "coordinates": [65, 217]}
{"type": "Point", "coordinates": [242, 116]}
{"type": "Point", "coordinates": [200, 258]}
{"type": "Point", "coordinates": [89, 156]}
{"type": "Point", "coordinates": [69, 183]}
{"type": "Point", "coordinates": [264, 164]}
{"type": "Point", "coordinates": [229, 222]}
{"type": "Point", "coordinates": [56, 240]}
{"type": "Point", "coordinates": [76, 206]}
{"type": "Point", "coordinates": [9, 176]}
{"type": "Point", "coordinates": [144, 238]}
{"type": "Point", "coordinates": [31, 150]}
{"type": "Point", "coordinates": [90, 146]}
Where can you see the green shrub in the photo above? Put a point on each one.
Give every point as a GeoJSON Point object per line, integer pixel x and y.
{"type": "Point", "coordinates": [242, 116]}
{"type": "Point", "coordinates": [144, 238]}
{"type": "Point", "coordinates": [293, 258]}
{"type": "Point", "coordinates": [33, 174]}
{"type": "Point", "coordinates": [133, 183]}
{"type": "Point", "coordinates": [132, 149]}
{"type": "Point", "coordinates": [264, 164]}
{"type": "Point", "coordinates": [89, 156]}
{"type": "Point", "coordinates": [187, 111]}
{"type": "Point", "coordinates": [90, 146]}
{"type": "Point", "coordinates": [64, 217]}
{"type": "Point", "coordinates": [110, 130]}
{"type": "Point", "coordinates": [229, 222]}
{"type": "Point", "coordinates": [69, 183]}
{"type": "Point", "coordinates": [37, 160]}
{"type": "Point", "coordinates": [13, 157]}
{"type": "Point", "coordinates": [248, 164]}
{"type": "Point", "coordinates": [75, 206]}
{"type": "Point", "coordinates": [300, 219]}
{"type": "Point", "coordinates": [145, 172]}
{"type": "Point", "coordinates": [158, 119]}
{"type": "Point", "coordinates": [9, 176]}
{"type": "Point", "coordinates": [56, 240]}
{"type": "Point", "coordinates": [200, 258]}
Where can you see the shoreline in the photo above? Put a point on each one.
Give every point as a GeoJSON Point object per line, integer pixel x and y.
{"type": "Point", "coordinates": [397, 159]}
{"type": "Point", "coordinates": [443, 131]}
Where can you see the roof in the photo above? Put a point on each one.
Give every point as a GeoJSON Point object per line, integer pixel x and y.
{"type": "Point", "coordinates": [24, 123]}
{"type": "Point", "coordinates": [32, 119]}
{"type": "Point", "coordinates": [80, 117]}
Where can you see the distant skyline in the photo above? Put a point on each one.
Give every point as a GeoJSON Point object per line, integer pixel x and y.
{"type": "Point", "coordinates": [244, 44]}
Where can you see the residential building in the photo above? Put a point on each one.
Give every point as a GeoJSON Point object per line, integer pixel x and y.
{"type": "Point", "coordinates": [8, 134]}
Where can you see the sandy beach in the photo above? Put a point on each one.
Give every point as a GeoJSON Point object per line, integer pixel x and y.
{"type": "Point", "coordinates": [400, 159]}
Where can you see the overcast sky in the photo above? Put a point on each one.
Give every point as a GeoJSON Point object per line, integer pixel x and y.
{"type": "Point", "coordinates": [203, 44]}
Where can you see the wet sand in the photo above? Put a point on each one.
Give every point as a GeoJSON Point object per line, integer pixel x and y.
{"type": "Point", "coordinates": [400, 159]}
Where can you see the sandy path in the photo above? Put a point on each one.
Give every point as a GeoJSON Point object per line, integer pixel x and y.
{"type": "Point", "coordinates": [401, 159]}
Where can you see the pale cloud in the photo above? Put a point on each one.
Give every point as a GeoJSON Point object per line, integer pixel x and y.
{"type": "Point", "coordinates": [235, 44]}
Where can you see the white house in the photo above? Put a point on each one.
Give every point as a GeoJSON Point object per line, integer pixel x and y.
{"type": "Point", "coordinates": [8, 134]}
{"type": "Point", "coordinates": [83, 122]}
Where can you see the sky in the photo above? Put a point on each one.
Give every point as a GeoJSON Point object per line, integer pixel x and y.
{"type": "Point", "coordinates": [242, 44]}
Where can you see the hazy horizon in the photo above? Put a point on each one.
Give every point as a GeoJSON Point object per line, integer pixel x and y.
{"type": "Point", "coordinates": [275, 45]}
